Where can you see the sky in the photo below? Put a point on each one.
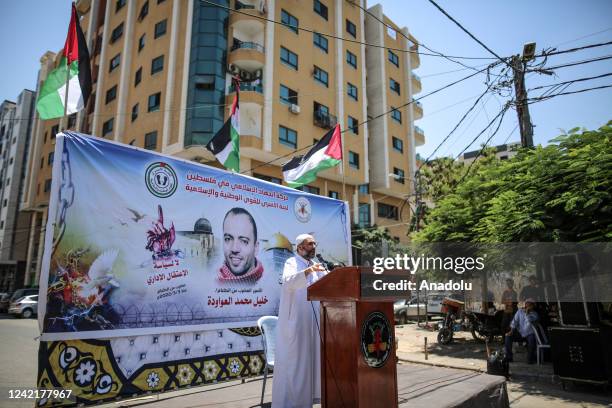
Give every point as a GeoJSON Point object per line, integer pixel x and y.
{"type": "Point", "coordinates": [28, 28]}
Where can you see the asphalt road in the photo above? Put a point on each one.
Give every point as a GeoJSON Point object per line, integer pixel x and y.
{"type": "Point", "coordinates": [18, 358]}
{"type": "Point", "coordinates": [18, 362]}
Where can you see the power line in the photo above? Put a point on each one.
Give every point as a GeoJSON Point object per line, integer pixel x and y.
{"type": "Point", "coordinates": [587, 61]}
{"type": "Point", "coordinates": [539, 98]}
{"type": "Point", "coordinates": [376, 117]}
{"type": "Point", "coordinates": [466, 31]}
{"type": "Point", "coordinates": [549, 53]}
{"type": "Point", "coordinates": [572, 81]}
{"type": "Point", "coordinates": [407, 38]}
{"type": "Point", "coordinates": [465, 115]}
{"type": "Point", "coordinates": [584, 36]}
{"type": "Point", "coordinates": [308, 30]}
{"type": "Point", "coordinates": [502, 113]}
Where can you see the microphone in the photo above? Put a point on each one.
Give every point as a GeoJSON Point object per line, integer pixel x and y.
{"type": "Point", "coordinates": [328, 265]}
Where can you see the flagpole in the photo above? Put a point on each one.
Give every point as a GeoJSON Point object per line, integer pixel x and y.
{"type": "Point", "coordinates": [67, 85]}
{"type": "Point", "coordinates": [343, 171]}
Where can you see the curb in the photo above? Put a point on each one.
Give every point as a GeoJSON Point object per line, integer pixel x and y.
{"type": "Point", "coordinates": [540, 378]}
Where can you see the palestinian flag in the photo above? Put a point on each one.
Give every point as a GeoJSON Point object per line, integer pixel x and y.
{"type": "Point", "coordinates": [52, 97]}
{"type": "Point", "coordinates": [325, 154]}
{"type": "Point", "coordinates": [225, 145]}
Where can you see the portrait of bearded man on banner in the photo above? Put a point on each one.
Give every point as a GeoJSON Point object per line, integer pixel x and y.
{"type": "Point", "coordinates": [240, 247]}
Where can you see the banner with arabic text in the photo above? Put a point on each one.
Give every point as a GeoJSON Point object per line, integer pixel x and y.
{"type": "Point", "coordinates": [140, 243]}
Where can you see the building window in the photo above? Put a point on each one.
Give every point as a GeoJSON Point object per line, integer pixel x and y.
{"type": "Point", "coordinates": [321, 76]}
{"type": "Point", "coordinates": [141, 42]}
{"type": "Point", "coordinates": [289, 58]}
{"type": "Point", "coordinates": [288, 96]}
{"type": "Point", "coordinates": [47, 185]}
{"type": "Point", "coordinates": [50, 159]}
{"type": "Point", "coordinates": [120, 4]}
{"type": "Point", "coordinates": [271, 179]}
{"type": "Point", "coordinates": [353, 125]}
{"type": "Point", "coordinates": [320, 9]}
{"type": "Point", "coordinates": [394, 85]}
{"type": "Point", "coordinates": [351, 59]}
{"type": "Point", "coordinates": [42, 163]}
{"type": "Point", "coordinates": [71, 121]}
{"type": "Point", "coordinates": [150, 142]}
{"type": "Point", "coordinates": [157, 64]}
{"type": "Point", "coordinates": [54, 131]}
{"type": "Point", "coordinates": [364, 189]}
{"type": "Point", "coordinates": [114, 63]}
{"type": "Point", "coordinates": [351, 90]}
{"type": "Point", "coordinates": [399, 175]}
{"type": "Point", "coordinates": [144, 11]}
{"type": "Point", "coordinates": [134, 112]}
{"type": "Point", "coordinates": [320, 41]}
{"type": "Point", "coordinates": [393, 58]}
{"type": "Point", "coordinates": [351, 28]}
{"type": "Point", "coordinates": [154, 101]}
{"type": "Point", "coordinates": [333, 194]}
{"type": "Point", "coordinates": [289, 21]}
{"type": "Point", "coordinates": [310, 189]}
{"type": "Point", "coordinates": [387, 211]}
{"type": "Point", "coordinates": [364, 215]}
{"type": "Point", "coordinates": [353, 159]}
{"type": "Point", "coordinates": [287, 137]}
{"type": "Point", "coordinates": [398, 144]}
{"type": "Point", "coordinates": [111, 94]}
{"type": "Point", "coordinates": [397, 115]}
{"type": "Point", "coordinates": [117, 33]}
{"type": "Point", "coordinates": [138, 76]}
{"type": "Point", "coordinates": [160, 29]}
{"type": "Point", "coordinates": [107, 127]}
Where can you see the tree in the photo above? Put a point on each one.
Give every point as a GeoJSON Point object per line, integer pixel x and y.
{"type": "Point", "coordinates": [561, 192]}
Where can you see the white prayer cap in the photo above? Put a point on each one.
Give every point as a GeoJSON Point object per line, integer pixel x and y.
{"type": "Point", "coordinates": [301, 238]}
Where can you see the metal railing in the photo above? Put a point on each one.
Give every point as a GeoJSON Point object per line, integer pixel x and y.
{"type": "Point", "coordinates": [418, 130]}
{"type": "Point", "coordinates": [324, 119]}
{"type": "Point", "coordinates": [248, 86]}
{"type": "Point", "coordinates": [237, 44]}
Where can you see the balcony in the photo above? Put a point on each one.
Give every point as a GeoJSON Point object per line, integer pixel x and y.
{"type": "Point", "coordinates": [416, 83]}
{"type": "Point", "coordinates": [247, 18]}
{"type": "Point", "coordinates": [417, 109]}
{"type": "Point", "coordinates": [250, 92]}
{"type": "Point", "coordinates": [419, 136]}
{"type": "Point", "coordinates": [324, 119]}
{"type": "Point", "coordinates": [415, 60]}
{"type": "Point", "coordinates": [246, 54]}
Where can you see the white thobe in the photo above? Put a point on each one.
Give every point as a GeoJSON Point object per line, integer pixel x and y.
{"type": "Point", "coordinates": [297, 362]}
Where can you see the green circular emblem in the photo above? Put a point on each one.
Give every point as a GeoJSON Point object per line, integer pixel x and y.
{"type": "Point", "coordinates": [161, 179]}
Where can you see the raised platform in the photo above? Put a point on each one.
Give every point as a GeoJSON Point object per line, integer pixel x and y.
{"type": "Point", "coordinates": [426, 386]}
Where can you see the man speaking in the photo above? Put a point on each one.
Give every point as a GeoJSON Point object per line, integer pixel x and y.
{"type": "Point", "coordinates": [297, 367]}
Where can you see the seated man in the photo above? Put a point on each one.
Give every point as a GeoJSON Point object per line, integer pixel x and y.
{"type": "Point", "coordinates": [521, 329]}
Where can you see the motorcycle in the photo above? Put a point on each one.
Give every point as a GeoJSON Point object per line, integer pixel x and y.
{"type": "Point", "coordinates": [453, 310]}
{"type": "Point", "coordinates": [485, 327]}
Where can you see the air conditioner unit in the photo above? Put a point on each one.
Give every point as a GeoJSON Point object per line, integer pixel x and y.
{"type": "Point", "coordinates": [233, 69]}
{"type": "Point", "coordinates": [293, 108]}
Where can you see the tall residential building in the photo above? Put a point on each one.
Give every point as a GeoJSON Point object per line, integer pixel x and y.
{"type": "Point", "coordinates": [15, 122]}
{"type": "Point", "coordinates": [162, 80]}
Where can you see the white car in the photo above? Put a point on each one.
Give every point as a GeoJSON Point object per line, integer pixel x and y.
{"type": "Point", "coordinates": [25, 307]}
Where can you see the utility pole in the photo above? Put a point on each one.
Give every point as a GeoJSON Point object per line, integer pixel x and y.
{"type": "Point", "coordinates": [522, 108]}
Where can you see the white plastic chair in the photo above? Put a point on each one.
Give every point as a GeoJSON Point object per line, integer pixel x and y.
{"type": "Point", "coordinates": [541, 339]}
{"type": "Point", "coordinates": [267, 326]}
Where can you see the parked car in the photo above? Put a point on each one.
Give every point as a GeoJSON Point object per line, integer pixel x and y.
{"type": "Point", "coordinates": [19, 293]}
{"type": "Point", "coordinates": [405, 310]}
{"type": "Point", "coordinates": [25, 307]}
{"type": "Point", "coordinates": [4, 302]}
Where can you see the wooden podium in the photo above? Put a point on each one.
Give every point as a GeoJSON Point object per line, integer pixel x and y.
{"type": "Point", "coordinates": [358, 361]}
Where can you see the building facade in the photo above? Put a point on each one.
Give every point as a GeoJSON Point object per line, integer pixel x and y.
{"type": "Point", "coordinates": [15, 123]}
{"type": "Point", "coordinates": [162, 80]}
